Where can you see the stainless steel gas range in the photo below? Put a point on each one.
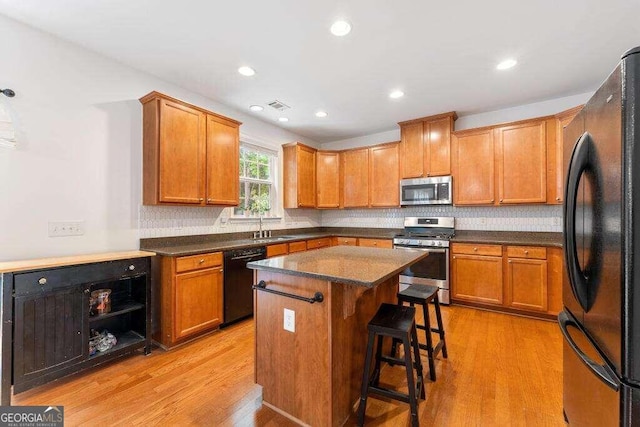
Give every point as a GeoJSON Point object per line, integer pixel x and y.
{"type": "Point", "coordinates": [431, 235]}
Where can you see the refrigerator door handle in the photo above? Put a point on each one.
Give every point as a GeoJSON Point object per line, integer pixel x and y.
{"type": "Point", "coordinates": [603, 372]}
{"type": "Point", "coordinates": [577, 166]}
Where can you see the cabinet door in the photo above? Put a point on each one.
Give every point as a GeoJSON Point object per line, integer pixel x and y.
{"type": "Point", "coordinates": [376, 243]}
{"type": "Point", "coordinates": [355, 171]}
{"type": "Point", "coordinates": [555, 174]}
{"type": "Point", "coordinates": [384, 180]}
{"type": "Point", "coordinates": [477, 278]}
{"type": "Point", "coordinates": [328, 179]}
{"type": "Point", "coordinates": [50, 334]}
{"type": "Point", "coordinates": [473, 175]}
{"type": "Point", "coordinates": [527, 284]}
{"type": "Point", "coordinates": [412, 150]}
{"type": "Point", "coordinates": [182, 154]}
{"type": "Point", "coordinates": [223, 152]}
{"type": "Point", "coordinates": [521, 155]}
{"type": "Point", "coordinates": [437, 137]}
{"type": "Point", "coordinates": [198, 301]}
{"type": "Point", "coordinates": [306, 169]}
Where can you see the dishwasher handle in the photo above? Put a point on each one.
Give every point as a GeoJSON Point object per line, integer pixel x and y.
{"type": "Point", "coordinates": [253, 257]}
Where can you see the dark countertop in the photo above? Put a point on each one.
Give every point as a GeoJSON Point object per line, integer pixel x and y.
{"type": "Point", "coordinates": [193, 245]}
{"type": "Point", "coordinates": [522, 238]}
{"type": "Point", "coordinates": [353, 265]}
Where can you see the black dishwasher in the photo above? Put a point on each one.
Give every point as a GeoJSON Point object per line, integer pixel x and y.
{"type": "Point", "coordinates": [238, 279]}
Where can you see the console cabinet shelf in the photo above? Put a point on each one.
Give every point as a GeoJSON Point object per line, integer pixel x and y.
{"type": "Point", "coordinates": [47, 334]}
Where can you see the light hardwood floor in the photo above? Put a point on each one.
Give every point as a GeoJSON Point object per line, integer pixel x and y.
{"type": "Point", "coordinates": [502, 370]}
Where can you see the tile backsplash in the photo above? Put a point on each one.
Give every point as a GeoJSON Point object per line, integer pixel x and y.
{"type": "Point", "coordinates": [502, 218]}
{"type": "Point", "coordinates": [163, 221]}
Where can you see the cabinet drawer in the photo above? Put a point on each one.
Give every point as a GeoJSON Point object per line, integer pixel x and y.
{"type": "Point", "coordinates": [276, 250]}
{"type": "Point", "coordinates": [526, 252]}
{"type": "Point", "coordinates": [472, 249]}
{"type": "Point", "coordinates": [318, 243]}
{"type": "Point", "coordinates": [194, 262]}
{"type": "Point", "coordinates": [376, 243]}
{"type": "Point", "coordinates": [297, 247]}
{"type": "Point", "coordinates": [345, 241]}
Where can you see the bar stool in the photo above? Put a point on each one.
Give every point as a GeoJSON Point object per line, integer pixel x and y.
{"type": "Point", "coordinates": [397, 322]}
{"type": "Point", "coordinates": [423, 294]}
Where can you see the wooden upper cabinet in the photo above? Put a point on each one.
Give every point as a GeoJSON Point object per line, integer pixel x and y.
{"type": "Point", "coordinates": [555, 156]}
{"type": "Point", "coordinates": [425, 146]}
{"type": "Point", "coordinates": [181, 156]}
{"type": "Point", "coordinates": [299, 176]}
{"type": "Point", "coordinates": [355, 178]}
{"type": "Point", "coordinates": [412, 150]}
{"type": "Point", "coordinates": [328, 179]}
{"type": "Point", "coordinates": [223, 152]}
{"type": "Point", "coordinates": [384, 180]}
{"type": "Point", "coordinates": [521, 157]}
{"type": "Point", "coordinates": [473, 167]}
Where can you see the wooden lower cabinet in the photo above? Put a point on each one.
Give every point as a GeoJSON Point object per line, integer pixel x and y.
{"type": "Point", "coordinates": [277, 250]}
{"type": "Point", "coordinates": [324, 242]}
{"type": "Point", "coordinates": [477, 278]}
{"type": "Point", "coordinates": [344, 241]}
{"type": "Point", "coordinates": [190, 297]}
{"type": "Point", "coordinates": [376, 243]}
{"type": "Point", "coordinates": [522, 279]}
{"type": "Point", "coordinates": [300, 246]}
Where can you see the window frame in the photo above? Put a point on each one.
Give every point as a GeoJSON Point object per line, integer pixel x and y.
{"type": "Point", "coordinates": [273, 157]}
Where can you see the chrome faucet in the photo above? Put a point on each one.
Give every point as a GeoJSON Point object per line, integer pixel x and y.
{"type": "Point", "coordinates": [262, 233]}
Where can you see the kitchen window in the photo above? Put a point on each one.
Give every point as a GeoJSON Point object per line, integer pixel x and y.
{"type": "Point", "coordinates": [257, 176]}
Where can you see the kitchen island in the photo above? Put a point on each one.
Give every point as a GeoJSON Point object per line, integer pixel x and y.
{"type": "Point", "coordinates": [309, 362]}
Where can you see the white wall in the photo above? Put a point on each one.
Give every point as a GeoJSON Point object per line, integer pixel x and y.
{"type": "Point", "coordinates": [79, 155]}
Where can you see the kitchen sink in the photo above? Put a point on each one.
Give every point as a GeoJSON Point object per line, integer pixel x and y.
{"type": "Point", "coordinates": [272, 239]}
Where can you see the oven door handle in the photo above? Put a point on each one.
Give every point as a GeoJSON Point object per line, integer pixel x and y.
{"type": "Point", "coordinates": [431, 251]}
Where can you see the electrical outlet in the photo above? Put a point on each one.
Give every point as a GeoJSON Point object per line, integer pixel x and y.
{"type": "Point", "coordinates": [289, 320]}
{"type": "Point", "coordinates": [66, 228]}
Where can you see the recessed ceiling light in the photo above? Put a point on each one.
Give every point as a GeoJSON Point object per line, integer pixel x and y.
{"type": "Point", "coordinates": [283, 119]}
{"type": "Point", "coordinates": [396, 94]}
{"type": "Point", "coordinates": [246, 71]}
{"type": "Point", "coordinates": [506, 64]}
{"type": "Point", "coordinates": [340, 28]}
{"type": "Point", "coordinates": [321, 114]}
{"type": "Point", "coordinates": [256, 108]}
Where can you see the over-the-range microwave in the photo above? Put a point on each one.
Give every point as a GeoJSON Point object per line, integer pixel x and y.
{"type": "Point", "coordinates": [426, 191]}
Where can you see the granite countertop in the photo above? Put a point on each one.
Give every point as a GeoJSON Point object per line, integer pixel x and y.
{"type": "Point", "coordinates": [193, 245]}
{"type": "Point", "coordinates": [509, 238]}
{"type": "Point", "coordinates": [353, 265]}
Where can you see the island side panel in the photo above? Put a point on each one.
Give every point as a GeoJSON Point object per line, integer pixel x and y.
{"type": "Point", "coordinates": [293, 367]}
{"type": "Point", "coordinates": [352, 307]}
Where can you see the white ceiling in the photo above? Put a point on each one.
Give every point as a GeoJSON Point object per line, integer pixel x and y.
{"type": "Point", "coordinates": [442, 54]}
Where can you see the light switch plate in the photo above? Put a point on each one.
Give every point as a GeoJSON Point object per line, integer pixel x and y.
{"type": "Point", "coordinates": [66, 228]}
{"type": "Point", "coordinates": [289, 320]}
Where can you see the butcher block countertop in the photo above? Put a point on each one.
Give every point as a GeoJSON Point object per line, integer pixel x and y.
{"type": "Point", "coordinates": [352, 265]}
{"type": "Point", "coordinates": [34, 264]}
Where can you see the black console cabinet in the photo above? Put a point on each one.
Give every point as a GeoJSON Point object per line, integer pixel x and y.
{"type": "Point", "coordinates": [47, 321]}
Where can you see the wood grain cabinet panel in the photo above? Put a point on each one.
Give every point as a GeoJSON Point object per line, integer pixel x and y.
{"type": "Point", "coordinates": [474, 168]}
{"type": "Point", "coordinates": [277, 250]}
{"type": "Point", "coordinates": [324, 242]}
{"type": "Point", "coordinates": [521, 156]}
{"type": "Point", "coordinates": [376, 243]}
{"type": "Point", "coordinates": [477, 278]}
{"type": "Point", "coordinates": [425, 146]}
{"type": "Point", "coordinates": [384, 179]}
{"type": "Point", "coordinates": [299, 176]}
{"type": "Point", "coordinates": [355, 178]}
{"type": "Point", "coordinates": [300, 246]}
{"type": "Point", "coordinates": [527, 284]}
{"type": "Point", "coordinates": [190, 155]}
{"type": "Point", "coordinates": [556, 158]}
{"type": "Point", "coordinates": [198, 302]}
{"type": "Point", "coordinates": [223, 154]}
{"type": "Point", "coordinates": [344, 241]}
{"type": "Point", "coordinates": [412, 150]}
{"type": "Point", "coordinates": [328, 179]}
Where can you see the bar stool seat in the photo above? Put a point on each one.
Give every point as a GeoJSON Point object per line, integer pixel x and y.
{"type": "Point", "coordinates": [397, 322]}
{"type": "Point", "coordinates": [422, 295]}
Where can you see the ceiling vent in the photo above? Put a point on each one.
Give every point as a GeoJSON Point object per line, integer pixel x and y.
{"type": "Point", "coordinates": [280, 106]}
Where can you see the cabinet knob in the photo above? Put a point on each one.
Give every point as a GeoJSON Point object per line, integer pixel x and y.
{"type": "Point", "coordinates": [79, 332]}
{"type": "Point", "coordinates": [209, 200]}
{"type": "Point", "coordinates": [557, 199]}
{"type": "Point", "coordinates": [526, 252]}
{"type": "Point", "coordinates": [86, 291]}
{"type": "Point", "coordinates": [201, 261]}
{"type": "Point", "coordinates": [132, 267]}
{"type": "Point", "coordinates": [201, 199]}
{"type": "Point", "coordinates": [454, 257]}
{"type": "Point", "coordinates": [509, 261]}
{"type": "Point", "coordinates": [493, 200]}
{"type": "Point", "coordinates": [221, 270]}
{"type": "Point", "coordinates": [375, 243]}
{"type": "Point", "coordinates": [475, 249]}
{"type": "Point", "coordinates": [42, 281]}
{"type": "Point", "coordinates": [500, 200]}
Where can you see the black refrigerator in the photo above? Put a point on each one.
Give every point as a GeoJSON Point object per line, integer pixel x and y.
{"type": "Point", "coordinates": [601, 317]}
